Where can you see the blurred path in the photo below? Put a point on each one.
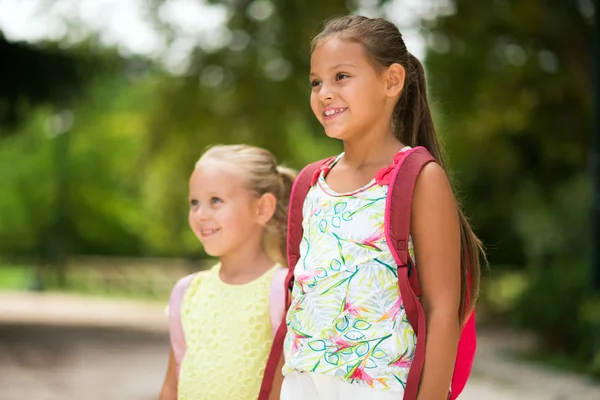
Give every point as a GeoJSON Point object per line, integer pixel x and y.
{"type": "Point", "coordinates": [55, 346]}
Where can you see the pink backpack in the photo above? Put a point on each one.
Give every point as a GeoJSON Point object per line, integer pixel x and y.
{"type": "Point", "coordinates": [276, 304]}
{"type": "Point", "coordinates": [397, 228]}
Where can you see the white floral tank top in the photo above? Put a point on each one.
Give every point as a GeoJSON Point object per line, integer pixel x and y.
{"type": "Point", "coordinates": [347, 318]}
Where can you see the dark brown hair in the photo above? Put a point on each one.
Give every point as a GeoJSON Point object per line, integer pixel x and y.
{"type": "Point", "coordinates": [411, 120]}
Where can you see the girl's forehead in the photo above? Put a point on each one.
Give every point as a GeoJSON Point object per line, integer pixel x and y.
{"type": "Point", "coordinates": [334, 51]}
{"type": "Point", "coordinates": [216, 175]}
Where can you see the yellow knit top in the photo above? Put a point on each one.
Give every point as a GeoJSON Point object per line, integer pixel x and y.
{"type": "Point", "coordinates": [228, 337]}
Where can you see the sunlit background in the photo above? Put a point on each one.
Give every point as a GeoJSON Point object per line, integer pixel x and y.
{"type": "Point", "coordinates": [105, 105]}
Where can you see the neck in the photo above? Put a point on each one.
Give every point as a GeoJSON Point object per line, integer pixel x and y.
{"type": "Point", "coordinates": [245, 264]}
{"type": "Point", "coordinates": [371, 149]}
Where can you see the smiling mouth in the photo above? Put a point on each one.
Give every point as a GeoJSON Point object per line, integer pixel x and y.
{"type": "Point", "coordinates": [206, 233]}
{"type": "Point", "coordinates": [330, 114]}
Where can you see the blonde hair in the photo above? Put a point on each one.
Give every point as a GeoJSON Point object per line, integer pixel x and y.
{"type": "Point", "coordinates": [263, 175]}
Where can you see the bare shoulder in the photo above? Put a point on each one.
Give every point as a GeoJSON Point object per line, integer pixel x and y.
{"type": "Point", "coordinates": [435, 231]}
{"type": "Point", "coordinates": [433, 199]}
{"type": "Point", "coordinates": [433, 181]}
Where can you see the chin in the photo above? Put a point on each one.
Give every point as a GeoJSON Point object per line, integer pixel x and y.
{"type": "Point", "coordinates": [212, 252]}
{"type": "Point", "coordinates": [335, 133]}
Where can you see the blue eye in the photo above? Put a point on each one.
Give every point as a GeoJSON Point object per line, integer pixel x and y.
{"type": "Point", "coordinates": [315, 83]}
{"type": "Point", "coordinates": [215, 200]}
{"type": "Point", "coordinates": [341, 76]}
{"type": "Point", "coordinates": [194, 202]}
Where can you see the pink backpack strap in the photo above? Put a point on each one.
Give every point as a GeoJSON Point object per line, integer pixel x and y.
{"type": "Point", "coordinates": [175, 327]}
{"type": "Point", "coordinates": [277, 298]}
{"type": "Point", "coordinates": [397, 231]}
{"type": "Point", "coordinates": [302, 185]}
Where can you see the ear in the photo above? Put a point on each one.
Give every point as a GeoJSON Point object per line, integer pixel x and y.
{"type": "Point", "coordinates": [394, 77]}
{"type": "Point", "coordinates": [266, 208]}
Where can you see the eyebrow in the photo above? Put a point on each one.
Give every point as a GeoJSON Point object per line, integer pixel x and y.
{"type": "Point", "coordinates": [211, 193]}
{"type": "Point", "coordinates": [338, 66]}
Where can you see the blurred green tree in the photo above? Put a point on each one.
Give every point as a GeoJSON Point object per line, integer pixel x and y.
{"type": "Point", "coordinates": [513, 90]}
{"type": "Point", "coordinates": [46, 74]}
{"type": "Point", "coordinates": [69, 151]}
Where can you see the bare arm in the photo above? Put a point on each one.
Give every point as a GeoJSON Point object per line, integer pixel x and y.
{"type": "Point", "coordinates": [169, 388]}
{"type": "Point", "coordinates": [278, 378]}
{"type": "Point", "coordinates": [436, 233]}
{"type": "Point", "coordinates": [277, 381]}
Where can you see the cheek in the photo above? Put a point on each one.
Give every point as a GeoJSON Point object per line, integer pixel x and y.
{"type": "Point", "coordinates": [237, 219]}
{"type": "Point", "coordinates": [376, 92]}
{"type": "Point", "coordinates": [314, 104]}
{"type": "Point", "coordinates": [192, 221]}
{"type": "Point", "coordinates": [227, 217]}
{"type": "Point", "coordinates": [355, 95]}
{"type": "Point", "coordinates": [366, 101]}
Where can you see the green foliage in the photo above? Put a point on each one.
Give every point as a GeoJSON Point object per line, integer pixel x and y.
{"type": "Point", "coordinates": [557, 303]}
{"type": "Point", "coordinates": [81, 185]}
{"type": "Point", "coordinates": [512, 84]}
{"type": "Point", "coordinates": [27, 184]}
{"type": "Point", "coordinates": [46, 73]}
{"type": "Point", "coordinates": [513, 90]}
{"type": "Point", "coordinates": [15, 277]}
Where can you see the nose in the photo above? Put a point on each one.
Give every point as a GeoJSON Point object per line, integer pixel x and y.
{"type": "Point", "coordinates": [326, 93]}
{"type": "Point", "coordinates": [200, 213]}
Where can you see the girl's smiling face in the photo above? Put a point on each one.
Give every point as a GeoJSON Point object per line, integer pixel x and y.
{"type": "Point", "coordinates": [348, 93]}
{"type": "Point", "coordinates": [223, 212]}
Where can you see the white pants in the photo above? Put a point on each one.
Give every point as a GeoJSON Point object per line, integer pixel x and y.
{"type": "Point", "coordinates": [312, 386]}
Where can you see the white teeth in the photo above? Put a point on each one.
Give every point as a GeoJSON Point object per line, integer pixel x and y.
{"type": "Point", "coordinates": [331, 112]}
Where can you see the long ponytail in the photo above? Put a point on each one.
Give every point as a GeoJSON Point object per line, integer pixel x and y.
{"type": "Point", "coordinates": [413, 125]}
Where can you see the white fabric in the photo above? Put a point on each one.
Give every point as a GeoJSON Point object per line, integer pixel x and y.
{"type": "Point", "coordinates": [313, 386]}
